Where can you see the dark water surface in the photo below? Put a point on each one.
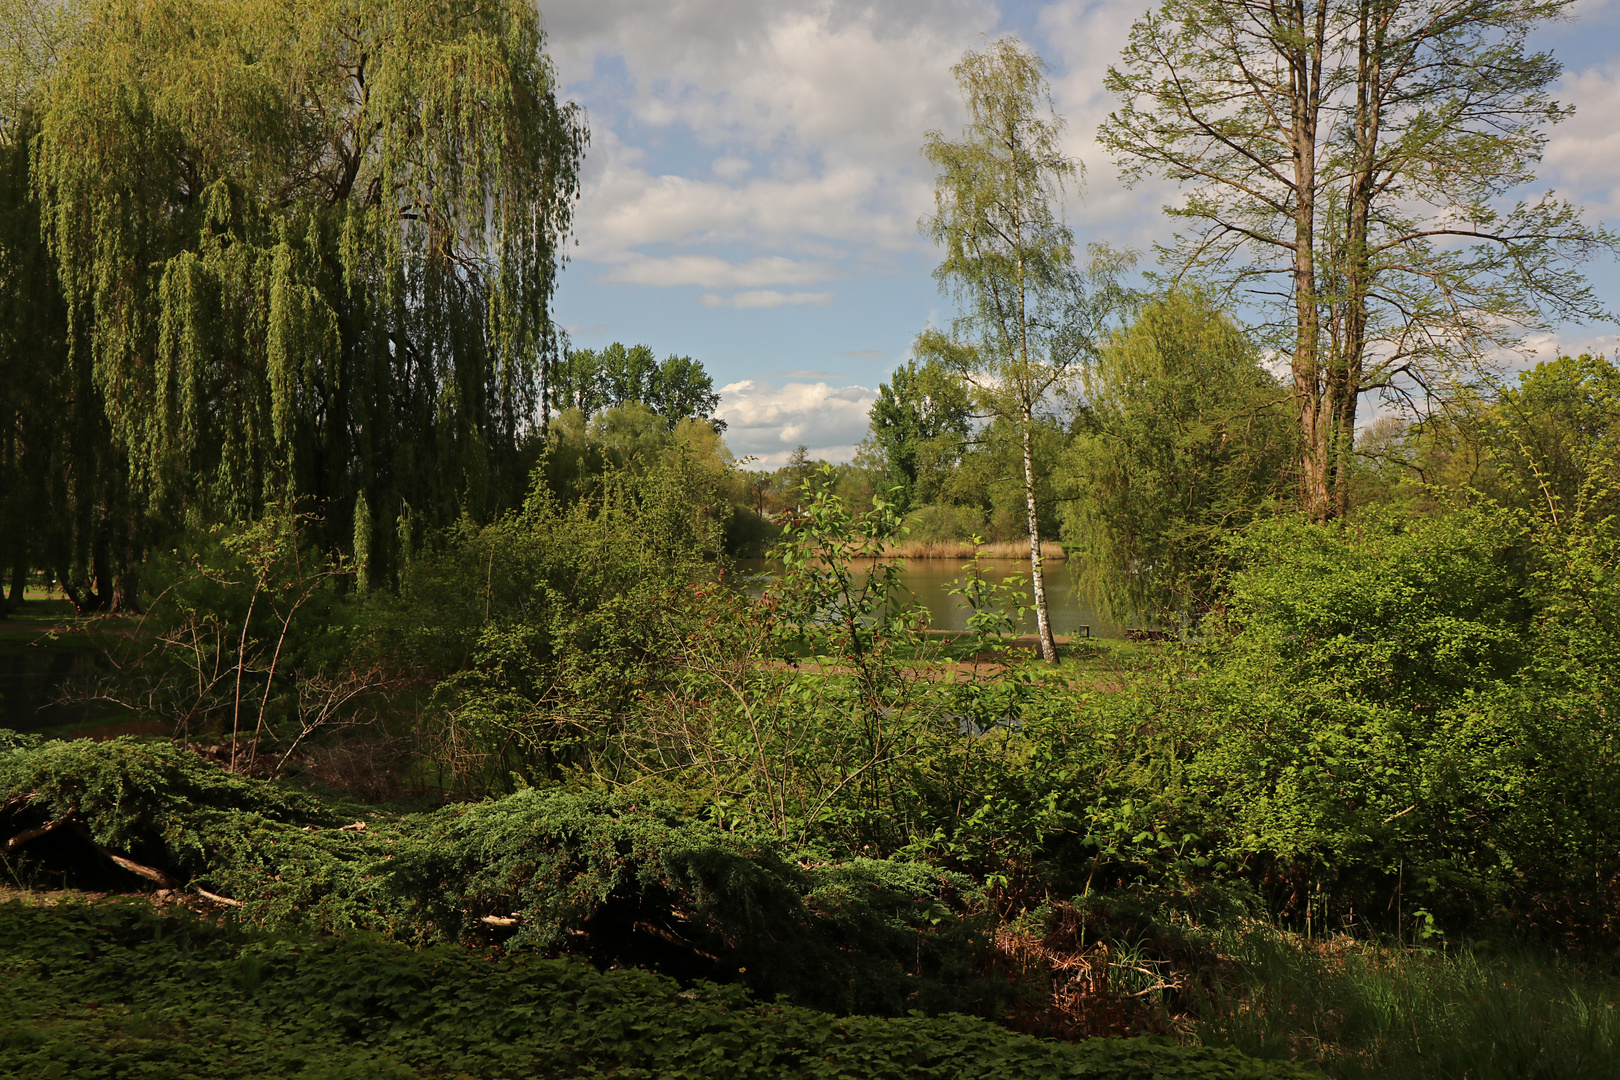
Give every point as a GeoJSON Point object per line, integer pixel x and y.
{"type": "Point", "coordinates": [37, 668]}
{"type": "Point", "coordinates": [929, 579]}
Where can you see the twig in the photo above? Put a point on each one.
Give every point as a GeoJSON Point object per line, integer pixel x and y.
{"type": "Point", "coordinates": [150, 873]}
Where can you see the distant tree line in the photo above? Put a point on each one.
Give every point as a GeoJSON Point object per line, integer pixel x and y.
{"type": "Point", "coordinates": [592, 380]}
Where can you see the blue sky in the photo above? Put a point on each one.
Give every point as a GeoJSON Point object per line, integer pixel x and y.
{"type": "Point", "coordinates": [753, 183]}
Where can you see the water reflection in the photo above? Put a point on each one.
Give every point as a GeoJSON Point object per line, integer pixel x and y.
{"type": "Point", "coordinates": [928, 579]}
{"type": "Point", "coordinates": [35, 672]}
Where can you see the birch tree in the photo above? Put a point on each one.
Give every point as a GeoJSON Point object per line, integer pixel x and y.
{"type": "Point", "coordinates": [1355, 166]}
{"type": "Point", "coordinates": [998, 213]}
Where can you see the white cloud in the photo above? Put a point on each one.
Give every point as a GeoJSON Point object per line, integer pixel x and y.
{"type": "Point", "coordinates": [765, 298]}
{"type": "Point", "coordinates": [731, 168]}
{"type": "Point", "coordinates": [768, 420]}
{"type": "Point", "coordinates": [1080, 41]}
{"type": "Point", "coordinates": [1542, 347]}
{"type": "Point", "coordinates": [806, 115]}
{"type": "Point", "coordinates": [713, 272]}
{"type": "Point", "coordinates": [1583, 155]}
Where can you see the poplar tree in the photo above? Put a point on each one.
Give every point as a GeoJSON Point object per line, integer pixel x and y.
{"type": "Point", "coordinates": [308, 250]}
{"type": "Point", "coordinates": [1350, 164]}
{"type": "Point", "coordinates": [998, 213]}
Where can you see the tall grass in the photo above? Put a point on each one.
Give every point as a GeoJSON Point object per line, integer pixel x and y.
{"type": "Point", "coordinates": [1364, 1011]}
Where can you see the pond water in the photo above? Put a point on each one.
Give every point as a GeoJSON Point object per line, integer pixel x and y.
{"type": "Point", "coordinates": [929, 579]}
{"type": "Point", "coordinates": [32, 675]}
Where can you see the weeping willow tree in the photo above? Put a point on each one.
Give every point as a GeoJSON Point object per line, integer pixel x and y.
{"type": "Point", "coordinates": [1181, 438]}
{"type": "Point", "coordinates": [308, 248]}
{"type": "Point", "coordinates": [61, 491]}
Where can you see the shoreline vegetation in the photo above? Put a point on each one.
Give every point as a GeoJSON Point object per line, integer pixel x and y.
{"type": "Point", "coordinates": [966, 551]}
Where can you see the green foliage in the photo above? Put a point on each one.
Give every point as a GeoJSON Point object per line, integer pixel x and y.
{"type": "Point", "coordinates": [936, 522]}
{"type": "Point", "coordinates": [249, 633]}
{"type": "Point", "coordinates": [1546, 444]}
{"type": "Point", "coordinates": [814, 712]}
{"type": "Point", "coordinates": [1411, 613]}
{"type": "Point", "coordinates": [61, 484]}
{"type": "Point", "coordinates": [156, 803]}
{"type": "Point", "coordinates": [990, 475]}
{"type": "Point", "coordinates": [1181, 438]}
{"type": "Point", "coordinates": [676, 389]}
{"type": "Point", "coordinates": [1422, 747]}
{"type": "Point", "coordinates": [623, 881]}
{"type": "Point", "coordinates": [1555, 441]}
{"type": "Point", "coordinates": [617, 879]}
{"type": "Point", "coordinates": [545, 624]}
{"type": "Point", "coordinates": [120, 990]}
{"type": "Point", "coordinates": [919, 421]}
{"type": "Point", "coordinates": [326, 267]}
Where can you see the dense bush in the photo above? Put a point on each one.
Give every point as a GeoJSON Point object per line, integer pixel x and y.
{"type": "Point", "coordinates": [544, 627]}
{"type": "Point", "coordinates": [1396, 727]}
{"type": "Point", "coordinates": [944, 523]}
{"type": "Point", "coordinates": [610, 878]}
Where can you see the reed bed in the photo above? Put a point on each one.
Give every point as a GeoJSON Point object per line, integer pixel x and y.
{"type": "Point", "coordinates": [964, 550]}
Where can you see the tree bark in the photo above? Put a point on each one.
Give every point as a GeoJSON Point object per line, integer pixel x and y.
{"type": "Point", "coordinates": [1305, 75]}
{"type": "Point", "coordinates": [1037, 579]}
{"type": "Point", "coordinates": [1348, 364]}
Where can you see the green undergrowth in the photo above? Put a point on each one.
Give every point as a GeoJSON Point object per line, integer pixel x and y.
{"type": "Point", "coordinates": [603, 877]}
{"type": "Point", "coordinates": [118, 989]}
{"type": "Point", "coordinates": [1366, 1011]}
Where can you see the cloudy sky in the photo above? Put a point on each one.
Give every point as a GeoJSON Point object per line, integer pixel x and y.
{"type": "Point", "coordinates": [754, 181]}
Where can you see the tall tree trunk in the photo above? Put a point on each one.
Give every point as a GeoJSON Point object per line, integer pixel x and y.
{"type": "Point", "coordinates": [125, 578]}
{"type": "Point", "coordinates": [1316, 429]}
{"type": "Point", "coordinates": [1348, 365]}
{"type": "Point", "coordinates": [1037, 579]}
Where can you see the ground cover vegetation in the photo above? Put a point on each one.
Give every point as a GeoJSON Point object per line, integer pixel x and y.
{"type": "Point", "coordinates": [483, 754]}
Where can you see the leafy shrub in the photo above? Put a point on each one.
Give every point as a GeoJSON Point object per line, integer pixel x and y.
{"type": "Point", "coordinates": [250, 631]}
{"type": "Point", "coordinates": [1407, 725]}
{"type": "Point", "coordinates": [543, 627]}
{"type": "Point", "coordinates": [160, 805]}
{"type": "Point", "coordinates": [943, 522]}
{"type": "Point", "coordinates": [1409, 613]}
{"type": "Point", "coordinates": [611, 878]}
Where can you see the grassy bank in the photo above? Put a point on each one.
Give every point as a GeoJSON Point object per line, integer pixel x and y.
{"type": "Point", "coordinates": [1366, 1010]}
